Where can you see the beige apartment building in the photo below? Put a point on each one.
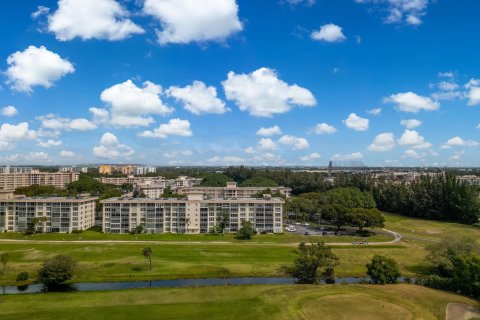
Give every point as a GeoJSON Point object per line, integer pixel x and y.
{"type": "Point", "coordinates": [12, 181]}
{"type": "Point", "coordinates": [194, 214]}
{"type": "Point", "coordinates": [233, 191]}
{"type": "Point", "coordinates": [105, 169]}
{"type": "Point", "coordinates": [55, 214]}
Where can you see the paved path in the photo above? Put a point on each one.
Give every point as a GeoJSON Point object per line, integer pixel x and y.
{"type": "Point", "coordinates": [397, 238]}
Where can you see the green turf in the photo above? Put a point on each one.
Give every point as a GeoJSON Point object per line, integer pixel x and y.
{"type": "Point", "coordinates": [237, 302]}
{"type": "Point", "coordinates": [276, 238]}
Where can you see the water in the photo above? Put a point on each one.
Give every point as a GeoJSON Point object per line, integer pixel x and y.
{"type": "Point", "coordinates": [101, 286]}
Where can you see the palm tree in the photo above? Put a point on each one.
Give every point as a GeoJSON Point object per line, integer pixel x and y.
{"type": "Point", "coordinates": [147, 253]}
{"type": "Point", "coordinates": [44, 223]}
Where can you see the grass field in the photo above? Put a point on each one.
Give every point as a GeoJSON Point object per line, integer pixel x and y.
{"type": "Point", "coordinates": [379, 236]}
{"type": "Point", "coordinates": [352, 302]}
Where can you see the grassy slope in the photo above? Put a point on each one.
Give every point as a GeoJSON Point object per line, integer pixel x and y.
{"type": "Point", "coordinates": [237, 302]}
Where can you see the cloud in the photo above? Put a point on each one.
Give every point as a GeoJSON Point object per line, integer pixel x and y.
{"type": "Point", "coordinates": [53, 122]}
{"type": "Point", "coordinates": [348, 157]}
{"type": "Point", "coordinates": [375, 111]}
{"type": "Point", "coordinates": [66, 154]}
{"type": "Point", "coordinates": [110, 147]}
{"type": "Point", "coordinates": [411, 102]}
{"type": "Point", "coordinates": [198, 98]}
{"type": "Point", "coordinates": [268, 132]}
{"type": "Point", "coordinates": [311, 157]}
{"type": "Point", "coordinates": [10, 134]}
{"type": "Point", "coordinates": [35, 67]}
{"type": "Point", "coordinates": [129, 104]}
{"type": "Point", "coordinates": [410, 153]}
{"type": "Point", "coordinates": [459, 142]}
{"type": "Point", "coordinates": [296, 142]}
{"type": "Point", "coordinates": [447, 88]}
{"type": "Point", "coordinates": [49, 143]}
{"type": "Point", "coordinates": [9, 111]}
{"type": "Point", "coordinates": [411, 139]}
{"type": "Point", "coordinates": [174, 127]}
{"type": "Point", "coordinates": [324, 128]}
{"type": "Point", "coordinates": [185, 21]}
{"type": "Point", "coordinates": [227, 160]}
{"type": "Point", "coordinates": [329, 33]}
{"type": "Point", "coordinates": [356, 123]}
{"type": "Point", "coordinates": [383, 142]}
{"type": "Point", "coordinates": [473, 93]}
{"type": "Point", "coordinates": [266, 144]}
{"type": "Point", "coordinates": [408, 12]}
{"type": "Point", "coordinates": [173, 154]}
{"type": "Point", "coordinates": [262, 94]}
{"type": "Point", "coordinates": [457, 155]}
{"type": "Point", "coordinates": [411, 123]}
{"type": "Point", "coordinates": [41, 11]}
{"type": "Point", "coordinates": [100, 116]}
{"type": "Point", "coordinates": [91, 19]}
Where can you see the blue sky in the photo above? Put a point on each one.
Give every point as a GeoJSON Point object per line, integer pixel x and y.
{"type": "Point", "coordinates": [192, 82]}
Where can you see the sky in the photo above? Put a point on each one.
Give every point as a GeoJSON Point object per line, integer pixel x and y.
{"type": "Point", "coordinates": [240, 82]}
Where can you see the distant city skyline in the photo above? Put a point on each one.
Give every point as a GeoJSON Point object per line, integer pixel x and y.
{"type": "Point", "coordinates": [238, 82]}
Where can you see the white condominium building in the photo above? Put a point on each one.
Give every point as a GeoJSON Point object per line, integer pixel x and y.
{"type": "Point", "coordinates": [54, 214]}
{"type": "Point", "coordinates": [233, 191]}
{"type": "Point", "coordinates": [194, 214]}
{"type": "Point", "coordinates": [12, 181]}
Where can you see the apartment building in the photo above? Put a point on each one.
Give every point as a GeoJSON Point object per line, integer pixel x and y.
{"type": "Point", "coordinates": [55, 214]}
{"type": "Point", "coordinates": [233, 191]}
{"type": "Point", "coordinates": [12, 181]}
{"type": "Point", "coordinates": [469, 179]}
{"type": "Point", "coordinates": [144, 170]}
{"type": "Point", "coordinates": [105, 169]}
{"type": "Point", "coordinates": [193, 214]}
{"type": "Point", "coordinates": [74, 169]}
{"type": "Point", "coordinates": [10, 169]}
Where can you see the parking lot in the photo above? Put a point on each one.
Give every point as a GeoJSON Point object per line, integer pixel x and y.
{"type": "Point", "coordinates": [302, 228]}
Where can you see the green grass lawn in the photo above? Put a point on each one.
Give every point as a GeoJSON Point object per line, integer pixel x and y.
{"type": "Point", "coordinates": [379, 236]}
{"type": "Point", "coordinates": [307, 302]}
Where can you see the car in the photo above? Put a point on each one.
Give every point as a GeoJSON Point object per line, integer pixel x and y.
{"type": "Point", "coordinates": [306, 224]}
{"type": "Point", "coordinates": [291, 229]}
{"type": "Point", "coordinates": [307, 233]}
{"type": "Point", "coordinates": [297, 223]}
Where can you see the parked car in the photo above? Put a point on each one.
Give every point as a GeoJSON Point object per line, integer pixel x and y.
{"type": "Point", "coordinates": [307, 233]}
{"type": "Point", "coordinates": [291, 229]}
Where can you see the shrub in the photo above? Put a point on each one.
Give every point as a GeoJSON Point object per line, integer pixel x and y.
{"type": "Point", "coordinates": [56, 270]}
{"type": "Point", "coordinates": [383, 270]}
{"type": "Point", "coordinates": [22, 276]}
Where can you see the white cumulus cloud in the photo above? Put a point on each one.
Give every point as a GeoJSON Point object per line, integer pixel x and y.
{"type": "Point", "coordinates": [473, 93]}
{"type": "Point", "coordinates": [408, 12]}
{"type": "Point", "coordinates": [66, 154]}
{"type": "Point", "coordinates": [411, 123]}
{"type": "Point", "coordinates": [459, 142]}
{"type": "Point", "coordinates": [383, 142]}
{"type": "Point", "coordinates": [262, 94]}
{"type": "Point", "coordinates": [184, 21]}
{"type": "Point", "coordinates": [412, 139]}
{"type": "Point", "coordinates": [91, 19]}
{"type": "Point", "coordinates": [130, 104]}
{"type": "Point", "coordinates": [411, 102]}
{"type": "Point", "coordinates": [35, 66]}
{"type": "Point", "coordinates": [325, 128]}
{"type": "Point", "coordinates": [329, 33]}
{"type": "Point", "coordinates": [356, 123]}
{"type": "Point", "coordinates": [49, 143]}
{"type": "Point", "coordinates": [10, 134]}
{"type": "Point", "coordinates": [295, 142]}
{"type": "Point", "coordinates": [198, 98]}
{"type": "Point", "coordinates": [110, 147]}
{"type": "Point", "coordinates": [174, 127]}
{"type": "Point", "coordinates": [311, 157]}
{"type": "Point", "coordinates": [348, 157]}
{"type": "Point", "coordinates": [9, 111]}
{"type": "Point", "coordinates": [268, 132]}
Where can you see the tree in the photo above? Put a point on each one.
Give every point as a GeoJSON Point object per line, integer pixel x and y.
{"type": "Point", "coordinates": [215, 180]}
{"type": "Point", "coordinates": [4, 260]}
{"type": "Point", "coordinates": [442, 256]}
{"type": "Point", "coordinates": [312, 263]}
{"type": "Point", "coordinates": [187, 224]}
{"type": "Point", "coordinates": [223, 220]}
{"type": "Point", "coordinates": [147, 253]}
{"type": "Point", "coordinates": [258, 182]}
{"type": "Point", "coordinates": [337, 214]}
{"type": "Point", "coordinates": [56, 270]}
{"type": "Point", "coordinates": [366, 218]}
{"type": "Point", "coordinates": [383, 270]}
{"type": "Point", "coordinates": [247, 231]}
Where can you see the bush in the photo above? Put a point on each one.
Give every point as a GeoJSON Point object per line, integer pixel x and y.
{"type": "Point", "coordinates": [56, 270]}
{"type": "Point", "coordinates": [383, 270]}
{"type": "Point", "coordinates": [22, 276]}
{"type": "Point", "coordinates": [77, 231]}
{"type": "Point", "coordinates": [246, 232]}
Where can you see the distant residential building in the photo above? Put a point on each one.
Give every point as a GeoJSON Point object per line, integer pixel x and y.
{"type": "Point", "coordinates": [194, 214]}
{"type": "Point", "coordinates": [55, 214]}
{"type": "Point", "coordinates": [470, 179]}
{"type": "Point", "coordinates": [127, 170]}
{"type": "Point", "coordinates": [74, 169]}
{"type": "Point", "coordinates": [144, 170]}
{"type": "Point", "coordinates": [9, 169]}
{"type": "Point", "coordinates": [232, 191]}
{"type": "Point", "coordinates": [12, 181]}
{"type": "Point", "coordinates": [105, 169]}
{"type": "Point", "coordinates": [117, 181]}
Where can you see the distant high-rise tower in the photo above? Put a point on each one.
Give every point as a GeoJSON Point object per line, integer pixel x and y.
{"type": "Point", "coordinates": [330, 168]}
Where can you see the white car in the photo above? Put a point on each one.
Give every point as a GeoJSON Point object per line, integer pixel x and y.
{"type": "Point", "coordinates": [306, 224]}
{"type": "Point", "coordinates": [291, 229]}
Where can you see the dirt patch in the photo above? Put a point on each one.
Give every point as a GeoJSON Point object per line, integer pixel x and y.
{"type": "Point", "coordinates": [433, 231]}
{"type": "Point", "coordinates": [461, 311]}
